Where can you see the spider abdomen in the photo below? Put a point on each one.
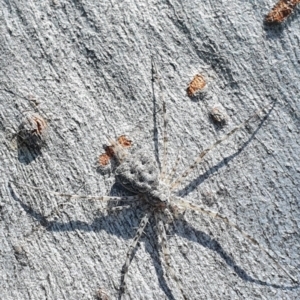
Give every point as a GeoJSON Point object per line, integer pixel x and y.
{"type": "Point", "coordinates": [138, 172]}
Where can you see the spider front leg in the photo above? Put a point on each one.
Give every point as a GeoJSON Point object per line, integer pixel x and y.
{"type": "Point", "coordinates": [196, 208]}
{"type": "Point", "coordinates": [162, 241]}
{"type": "Point", "coordinates": [200, 157]}
{"type": "Point", "coordinates": [129, 200]}
{"type": "Point", "coordinates": [129, 255]}
{"type": "Point", "coordinates": [155, 76]}
{"type": "Point", "coordinates": [74, 196]}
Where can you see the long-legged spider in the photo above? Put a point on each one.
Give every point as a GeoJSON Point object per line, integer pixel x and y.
{"type": "Point", "coordinates": [140, 173]}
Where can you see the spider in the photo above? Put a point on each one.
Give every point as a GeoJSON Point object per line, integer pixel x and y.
{"type": "Point", "coordinates": [138, 172]}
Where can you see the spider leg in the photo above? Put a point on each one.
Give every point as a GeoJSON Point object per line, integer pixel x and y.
{"type": "Point", "coordinates": [162, 240]}
{"type": "Point", "coordinates": [181, 177]}
{"type": "Point", "coordinates": [188, 205]}
{"type": "Point", "coordinates": [165, 137]}
{"type": "Point", "coordinates": [165, 141]}
{"type": "Point", "coordinates": [170, 176]}
{"type": "Point", "coordinates": [129, 255]}
{"type": "Point", "coordinates": [118, 208]}
{"type": "Point", "coordinates": [73, 196]}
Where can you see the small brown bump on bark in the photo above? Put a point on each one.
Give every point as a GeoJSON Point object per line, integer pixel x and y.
{"type": "Point", "coordinates": [218, 115]}
{"type": "Point", "coordinates": [124, 141]}
{"type": "Point", "coordinates": [197, 84]}
{"type": "Point", "coordinates": [33, 128]}
{"type": "Point", "coordinates": [281, 11]}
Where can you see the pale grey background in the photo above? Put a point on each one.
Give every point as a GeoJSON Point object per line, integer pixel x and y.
{"type": "Point", "coordinates": [88, 64]}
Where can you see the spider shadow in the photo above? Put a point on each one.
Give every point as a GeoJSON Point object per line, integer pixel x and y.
{"type": "Point", "coordinates": [187, 231]}
{"type": "Point", "coordinates": [113, 225]}
{"type": "Point", "coordinates": [200, 179]}
{"type": "Point", "coordinates": [27, 154]}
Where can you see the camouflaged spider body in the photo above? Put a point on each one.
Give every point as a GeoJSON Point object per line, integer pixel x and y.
{"type": "Point", "coordinates": [139, 173]}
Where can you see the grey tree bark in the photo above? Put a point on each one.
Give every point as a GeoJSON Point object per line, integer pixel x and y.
{"type": "Point", "coordinates": [86, 67]}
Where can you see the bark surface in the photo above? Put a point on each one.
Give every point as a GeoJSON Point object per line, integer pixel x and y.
{"type": "Point", "coordinates": [85, 66]}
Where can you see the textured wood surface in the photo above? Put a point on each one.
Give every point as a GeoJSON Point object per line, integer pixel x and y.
{"type": "Point", "coordinates": [86, 67]}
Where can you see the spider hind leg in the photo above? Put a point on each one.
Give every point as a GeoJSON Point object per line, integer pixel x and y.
{"type": "Point", "coordinates": [162, 241]}
{"type": "Point", "coordinates": [129, 255]}
{"type": "Point", "coordinates": [215, 215]}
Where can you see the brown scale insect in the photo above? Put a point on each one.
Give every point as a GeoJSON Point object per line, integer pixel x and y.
{"type": "Point", "coordinates": [124, 141]}
{"type": "Point", "coordinates": [104, 158]}
{"type": "Point", "coordinates": [197, 84]}
{"type": "Point", "coordinates": [281, 11]}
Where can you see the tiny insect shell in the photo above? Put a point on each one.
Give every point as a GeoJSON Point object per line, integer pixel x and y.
{"type": "Point", "coordinates": [34, 123]}
{"type": "Point", "coordinates": [218, 115]}
{"type": "Point", "coordinates": [33, 128]}
{"type": "Point", "coordinates": [102, 295]}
